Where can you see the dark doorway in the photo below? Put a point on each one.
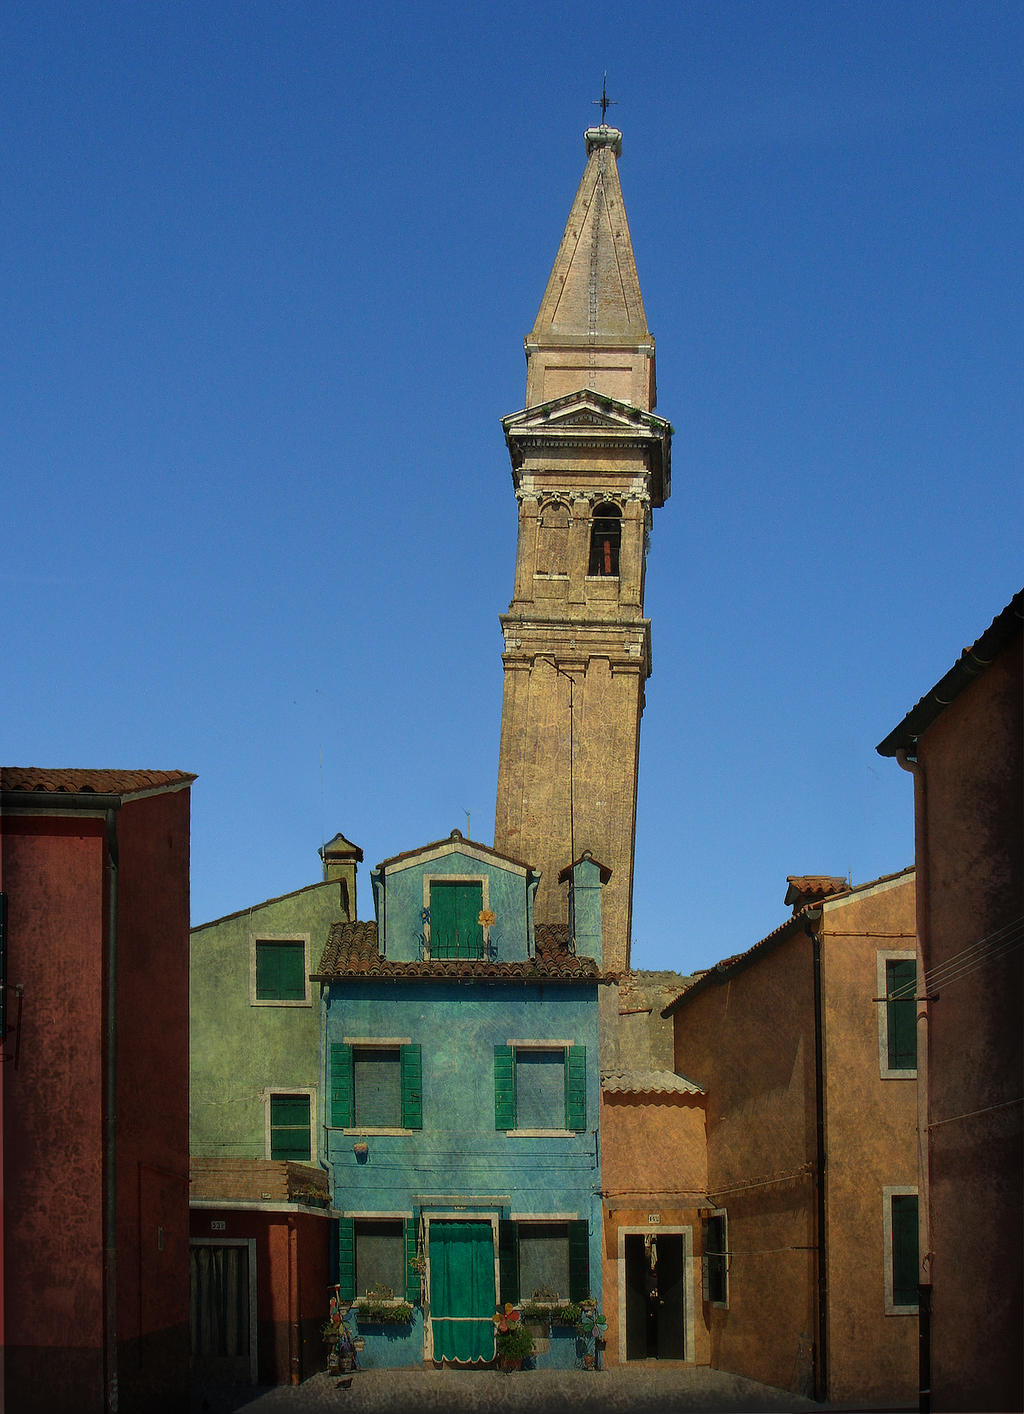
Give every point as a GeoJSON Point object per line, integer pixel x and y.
{"type": "Point", "coordinates": [654, 1296]}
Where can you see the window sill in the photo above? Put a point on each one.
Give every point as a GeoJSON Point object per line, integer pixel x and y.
{"type": "Point", "coordinates": [542, 1133]}
{"type": "Point", "coordinates": [888, 1074]}
{"type": "Point", "coordinates": [370, 1133]}
{"type": "Point", "coordinates": [275, 1001]}
{"type": "Point", "coordinates": [902, 1310]}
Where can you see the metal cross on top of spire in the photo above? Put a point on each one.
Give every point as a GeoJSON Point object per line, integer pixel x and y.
{"type": "Point", "coordinates": [604, 102]}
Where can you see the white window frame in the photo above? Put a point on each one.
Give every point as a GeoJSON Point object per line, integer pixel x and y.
{"type": "Point", "coordinates": [311, 1092]}
{"type": "Point", "coordinates": [303, 938]}
{"type": "Point", "coordinates": [886, 1071]}
{"type": "Point", "coordinates": [889, 1192]}
{"type": "Point", "coordinates": [485, 903]}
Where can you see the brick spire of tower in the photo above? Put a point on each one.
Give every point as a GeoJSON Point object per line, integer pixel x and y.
{"type": "Point", "coordinates": [590, 461]}
{"type": "Point", "coordinates": [591, 330]}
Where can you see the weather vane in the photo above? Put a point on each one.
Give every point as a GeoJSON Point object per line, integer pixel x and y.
{"type": "Point", "coordinates": [604, 102]}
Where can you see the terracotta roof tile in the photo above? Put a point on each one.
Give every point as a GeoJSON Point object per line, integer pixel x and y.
{"type": "Point", "coordinates": [351, 951]}
{"type": "Point", "coordinates": [648, 1082]}
{"type": "Point", "coordinates": [73, 780]}
{"type": "Point", "coordinates": [804, 887]}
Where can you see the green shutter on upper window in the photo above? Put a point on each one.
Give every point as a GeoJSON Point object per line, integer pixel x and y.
{"type": "Point", "coordinates": [412, 1087]}
{"type": "Point", "coordinates": [576, 1088]}
{"type": "Point", "coordinates": [342, 1087]}
{"type": "Point", "coordinates": [412, 1276]}
{"type": "Point", "coordinates": [901, 1012]}
{"type": "Point", "coordinates": [454, 911]}
{"type": "Point", "coordinates": [508, 1262]}
{"type": "Point", "coordinates": [504, 1087]}
{"type": "Point", "coordinates": [579, 1260]}
{"type": "Point", "coordinates": [280, 972]}
{"type": "Point", "coordinates": [346, 1259]}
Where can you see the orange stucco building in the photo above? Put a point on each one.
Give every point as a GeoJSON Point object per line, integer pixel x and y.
{"type": "Point", "coordinates": [964, 743]}
{"type": "Point", "coordinates": [811, 1116]}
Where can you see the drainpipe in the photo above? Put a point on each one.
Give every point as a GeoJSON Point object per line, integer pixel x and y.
{"type": "Point", "coordinates": [813, 929]}
{"type": "Point", "coordinates": [910, 763]}
{"type": "Point", "coordinates": [110, 1131]}
{"type": "Point", "coordinates": [293, 1302]}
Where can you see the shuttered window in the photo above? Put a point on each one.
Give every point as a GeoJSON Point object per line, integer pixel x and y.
{"type": "Point", "coordinates": [716, 1260]}
{"type": "Point", "coordinates": [280, 971]}
{"type": "Point", "coordinates": [901, 1013]}
{"type": "Point", "coordinates": [904, 1249]}
{"type": "Point", "coordinates": [377, 1252]}
{"type": "Point", "coordinates": [544, 1261]}
{"type": "Point", "coordinates": [375, 1087]}
{"type": "Point", "coordinates": [289, 1127]}
{"type": "Point", "coordinates": [538, 1087]}
{"type": "Point", "coordinates": [455, 930]}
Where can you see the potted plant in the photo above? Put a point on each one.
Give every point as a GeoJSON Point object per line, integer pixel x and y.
{"type": "Point", "coordinates": [513, 1343]}
{"type": "Point", "coordinates": [565, 1315]}
{"type": "Point", "coordinates": [383, 1311]}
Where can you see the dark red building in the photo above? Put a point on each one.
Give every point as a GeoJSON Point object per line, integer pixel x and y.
{"type": "Point", "coordinates": [94, 1296]}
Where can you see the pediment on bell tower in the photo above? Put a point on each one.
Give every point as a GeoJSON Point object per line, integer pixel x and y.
{"type": "Point", "coordinates": [586, 425]}
{"type": "Point", "coordinates": [585, 409]}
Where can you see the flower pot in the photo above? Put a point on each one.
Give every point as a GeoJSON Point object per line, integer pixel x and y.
{"type": "Point", "coordinates": [588, 1362]}
{"type": "Point", "coordinates": [359, 1343]}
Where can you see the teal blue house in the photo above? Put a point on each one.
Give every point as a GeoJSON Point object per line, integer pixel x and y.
{"type": "Point", "coordinates": [460, 1104]}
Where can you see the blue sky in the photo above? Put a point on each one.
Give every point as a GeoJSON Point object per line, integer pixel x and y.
{"type": "Point", "coordinates": [267, 272]}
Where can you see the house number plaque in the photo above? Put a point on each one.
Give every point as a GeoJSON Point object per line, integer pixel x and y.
{"type": "Point", "coordinates": [654, 1219]}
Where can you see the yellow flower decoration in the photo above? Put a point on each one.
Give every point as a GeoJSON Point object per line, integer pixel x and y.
{"type": "Point", "coordinates": [485, 918]}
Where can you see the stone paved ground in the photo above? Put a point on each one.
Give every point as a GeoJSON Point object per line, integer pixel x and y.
{"type": "Point", "coordinates": [638, 1390]}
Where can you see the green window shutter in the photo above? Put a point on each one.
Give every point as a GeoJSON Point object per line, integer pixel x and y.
{"type": "Point", "coordinates": [504, 1087]}
{"type": "Point", "coordinates": [579, 1260]}
{"type": "Point", "coordinates": [508, 1262]}
{"type": "Point", "coordinates": [901, 1013]}
{"type": "Point", "coordinates": [289, 1127]}
{"type": "Point", "coordinates": [412, 1088]}
{"type": "Point", "coordinates": [454, 930]}
{"type": "Point", "coordinates": [280, 972]}
{"type": "Point", "coordinates": [412, 1276]}
{"type": "Point", "coordinates": [576, 1088]}
{"type": "Point", "coordinates": [904, 1249]}
{"type": "Point", "coordinates": [346, 1259]}
{"type": "Point", "coordinates": [342, 1088]}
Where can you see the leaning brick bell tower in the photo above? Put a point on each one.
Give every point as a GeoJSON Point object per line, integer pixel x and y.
{"type": "Point", "coordinates": [590, 462]}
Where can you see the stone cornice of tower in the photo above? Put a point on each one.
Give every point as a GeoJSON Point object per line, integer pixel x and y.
{"type": "Point", "coordinates": [625, 643]}
{"type": "Point", "coordinates": [587, 419]}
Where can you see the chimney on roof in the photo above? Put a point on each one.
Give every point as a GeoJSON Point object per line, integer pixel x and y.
{"type": "Point", "coordinates": [340, 858]}
{"type": "Point", "coordinates": [812, 888]}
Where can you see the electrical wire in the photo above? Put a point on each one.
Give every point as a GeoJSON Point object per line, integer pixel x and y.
{"type": "Point", "coordinates": [995, 945]}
